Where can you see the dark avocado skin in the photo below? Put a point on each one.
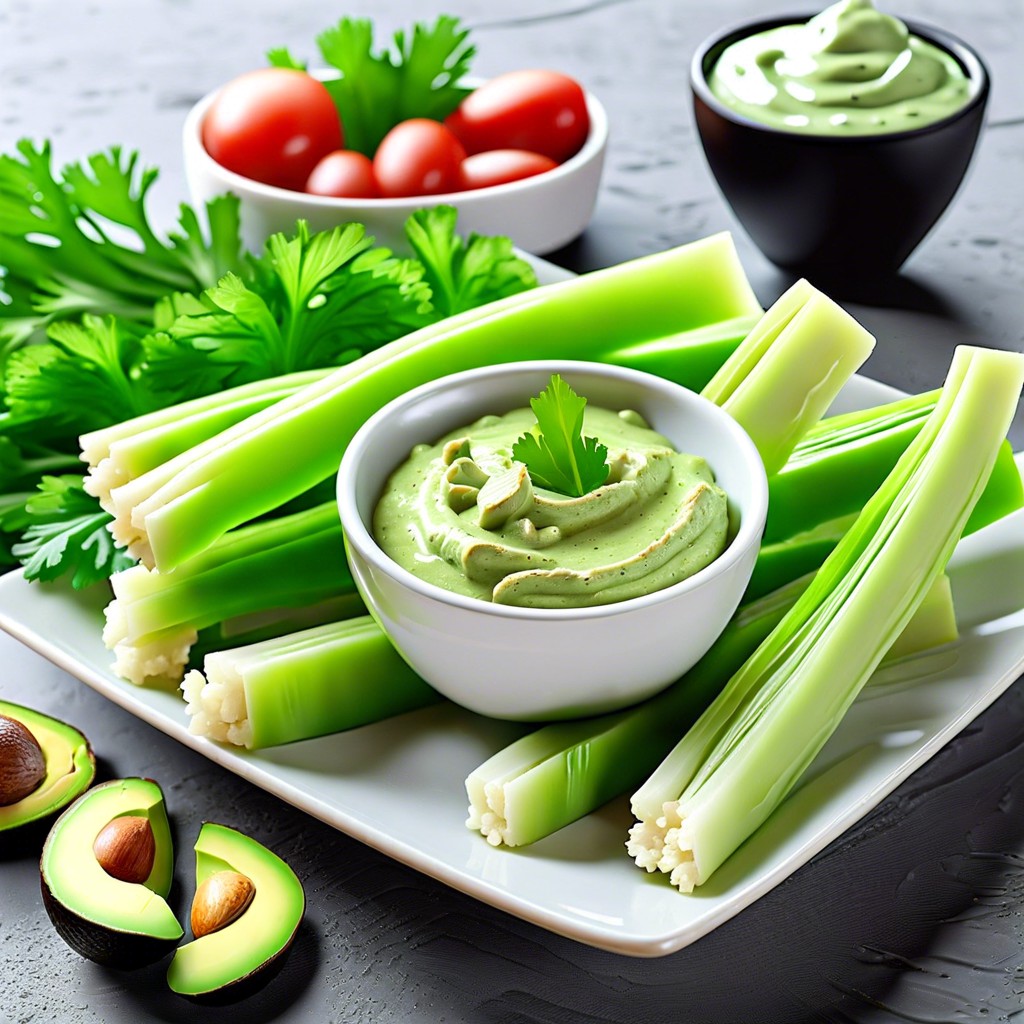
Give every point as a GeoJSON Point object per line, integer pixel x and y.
{"type": "Point", "coordinates": [247, 974]}
{"type": "Point", "coordinates": [101, 944]}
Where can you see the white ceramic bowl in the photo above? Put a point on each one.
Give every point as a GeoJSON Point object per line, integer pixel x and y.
{"type": "Point", "coordinates": [542, 664]}
{"type": "Point", "coordinates": [539, 214]}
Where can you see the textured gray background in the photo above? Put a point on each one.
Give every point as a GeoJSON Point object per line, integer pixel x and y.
{"type": "Point", "coordinates": [916, 914]}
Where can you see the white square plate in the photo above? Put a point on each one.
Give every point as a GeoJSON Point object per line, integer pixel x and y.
{"type": "Point", "coordinates": [398, 785]}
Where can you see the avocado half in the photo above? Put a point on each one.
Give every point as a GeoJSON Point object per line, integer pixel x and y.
{"type": "Point", "coordinates": [241, 956]}
{"type": "Point", "coordinates": [69, 767]}
{"type": "Point", "coordinates": [113, 922]}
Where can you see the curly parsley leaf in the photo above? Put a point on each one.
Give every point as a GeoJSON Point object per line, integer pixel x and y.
{"type": "Point", "coordinates": [555, 451]}
{"type": "Point", "coordinates": [464, 274]}
{"type": "Point", "coordinates": [68, 533]}
{"type": "Point", "coordinates": [418, 76]}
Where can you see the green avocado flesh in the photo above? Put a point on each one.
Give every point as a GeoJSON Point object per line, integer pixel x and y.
{"type": "Point", "coordinates": [94, 901]}
{"type": "Point", "coordinates": [255, 938]}
{"type": "Point", "coordinates": [70, 767]}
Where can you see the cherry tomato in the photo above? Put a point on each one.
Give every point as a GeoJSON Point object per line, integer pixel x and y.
{"type": "Point", "coordinates": [346, 174]}
{"type": "Point", "coordinates": [418, 157]}
{"type": "Point", "coordinates": [542, 111]}
{"type": "Point", "coordinates": [272, 125]}
{"type": "Point", "coordinates": [499, 166]}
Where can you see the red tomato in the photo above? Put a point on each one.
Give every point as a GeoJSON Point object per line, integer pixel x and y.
{"type": "Point", "coordinates": [499, 166]}
{"type": "Point", "coordinates": [542, 111]}
{"type": "Point", "coordinates": [346, 174]}
{"type": "Point", "coordinates": [418, 157]}
{"type": "Point", "coordinates": [272, 125]}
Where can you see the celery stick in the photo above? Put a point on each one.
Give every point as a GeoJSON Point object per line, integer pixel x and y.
{"type": "Point", "coordinates": [784, 560]}
{"type": "Point", "coordinates": [275, 454]}
{"type": "Point", "coordinates": [125, 450]}
{"type": "Point", "coordinates": [273, 622]}
{"type": "Point", "coordinates": [786, 373]}
{"type": "Point", "coordinates": [835, 469]}
{"type": "Point", "coordinates": [551, 777]}
{"type": "Point", "coordinates": [781, 560]}
{"type": "Point", "coordinates": [840, 462]}
{"type": "Point", "coordinates": [289, 562]}
{"type": "Point", "coordinates": [318, 681]}
{"type": "Point", "coordinates": [691, 358]}
{"type": "Point", "coordinates": [933, 623]}
{"type": "Point", "coordinates": [843, 460]}
{"type": "Point", "coordinates": [752, 744]}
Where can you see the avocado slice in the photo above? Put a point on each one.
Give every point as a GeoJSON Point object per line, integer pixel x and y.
{"type": "Point", "coordinates": [234, 959]}
{"type": "Point", "coordinates": [68, 765]}
{"type": "Point", "coordinates": [102, 917]}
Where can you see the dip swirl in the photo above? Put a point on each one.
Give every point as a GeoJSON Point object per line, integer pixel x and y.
{"type": "Point", "coordinates": [850, 70]}
{"type": "Point", "coordinates": [462, 514]}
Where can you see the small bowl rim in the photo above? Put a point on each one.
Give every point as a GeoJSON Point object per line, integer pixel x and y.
{"type": "Point", "coordinates": [597, 138]}
{"type": "Point", "coordinates": [968, 58]}
{"type": "Point", "coordinates": [750, 529]}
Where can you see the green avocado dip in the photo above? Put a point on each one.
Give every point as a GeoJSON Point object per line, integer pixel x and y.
{"type": "Point", "coordinates": [848, 71]}
{"type": "Point", "coordinates": [462, 514]}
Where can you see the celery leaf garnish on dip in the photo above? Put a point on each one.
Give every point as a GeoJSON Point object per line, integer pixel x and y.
{"type": "Point", "coordinates": [556, 452]}
{"type": "Point", "coordinates": [468, 515]}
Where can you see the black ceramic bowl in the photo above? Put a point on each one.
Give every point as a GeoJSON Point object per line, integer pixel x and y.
{"type": "Point", "coordinates": [844, 212]}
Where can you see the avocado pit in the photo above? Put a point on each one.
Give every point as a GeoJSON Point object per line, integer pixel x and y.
{"type": "Point", "coordinates": [106, 870]}
{"type": "Point", "coordinates": [44, 765]}
{"type": "Point", "coordinates": [219, 900]}
{"type": "Point", "coordinates": [126, 848]}
{"type": "Point", "coordinates": [22, 765]}
{"type": "Point", "coordinates": [246, 912]}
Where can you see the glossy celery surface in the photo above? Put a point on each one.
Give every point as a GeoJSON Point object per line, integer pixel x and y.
{"type": "Point", "coordinates": [288, 562]}
{"type": "Point", "coordinates": [779, 561]}
{"type": "Point", "coordinates": [788, 370]}
{"type": "Point", "coordinates": [784, 560]}
{"type": "Point", "coordinates": [137, 445]}
{"type": "Point", "coordinates": [551, 777]}
{"type": "Point", "coordinates": [843, 460]}
{"type": "Point", "coordinates": [253, 627]}
{"type": "Point", "coordinates": [276, 454]}
{"type": "Point", "coordinates": [317, 681]}
{"type": "Point", "coordinates": [745, 753]}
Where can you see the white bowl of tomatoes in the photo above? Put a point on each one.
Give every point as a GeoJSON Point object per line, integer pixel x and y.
{"type": "Point", "coordinates": [522, 157]}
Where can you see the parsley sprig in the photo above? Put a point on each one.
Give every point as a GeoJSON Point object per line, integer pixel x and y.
{"type": "Point", "coordinates": [555, 451]}
{"type": "Point", "coordinates": [418, 76]}
{"type": "Point", "coordinates": [102, 319]}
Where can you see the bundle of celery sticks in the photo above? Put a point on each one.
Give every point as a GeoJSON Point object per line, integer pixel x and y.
{"type": "Point", "coordinates": [241, 592]}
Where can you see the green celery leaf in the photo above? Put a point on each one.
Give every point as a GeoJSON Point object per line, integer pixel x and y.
{"type": "Point", "coordinates": [170, 307]}
{"type": "Point", "coordinates": [312, 301]}
{"type": "Point", "coordinates": [68, 534]}
{"type": "Point", "coordinates": [82, 379]}
{"type": "Point", "coordinates": [555, 451]}
{"type": "Point", "coordinates": [23, 464]}
{"type": "Point", "coordinates": [80, 242]}
{"type": "Point", "coordinates": [21, 469]}
{"type": "Point", "coordinates": [209, 258]}
{"type": "Point", "coordinates": [464, 275]}
{"type": "Point", "coordinates": [281, 57]}
{"type": "Point", "coordinates": [233, 339]}
{"type": "Point", "coordinates": [417, 77]}
{"type": "Point", "coordinates": [304, 262]}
